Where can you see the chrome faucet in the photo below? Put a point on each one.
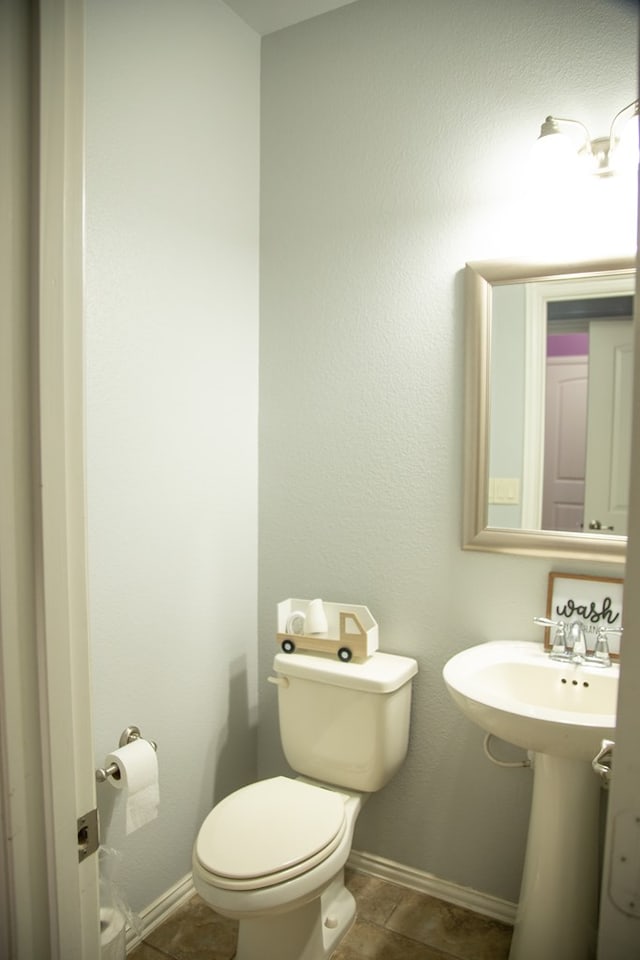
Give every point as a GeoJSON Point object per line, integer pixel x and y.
{"type": "Point", "coordinates": [570, 642]}
{"type": "Point", "coordinates": [577, 642]}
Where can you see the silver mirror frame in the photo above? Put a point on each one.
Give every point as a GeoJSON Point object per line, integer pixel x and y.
{"type": "Point", "coordinates": [480, 278]}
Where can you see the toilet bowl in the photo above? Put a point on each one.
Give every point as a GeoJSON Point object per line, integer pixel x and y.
{"type": "Point", "coordinates": [272, 855]}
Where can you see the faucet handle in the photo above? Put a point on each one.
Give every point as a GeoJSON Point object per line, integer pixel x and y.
{"type": "Point", "coordinates": [601, 655]}
{"type": "Point", "coordinates": [559, 649]}
{"type": "Point", "coordinates": [546, 622]}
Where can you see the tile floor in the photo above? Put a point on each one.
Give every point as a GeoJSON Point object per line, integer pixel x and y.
{"type": "Point", "coordinates": [393, 923]}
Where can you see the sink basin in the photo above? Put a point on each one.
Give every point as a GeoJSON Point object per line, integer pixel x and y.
{"type": "Point", "coordinates": [515, 691]}
{"type": "Point", "coordinates": [561, 712]}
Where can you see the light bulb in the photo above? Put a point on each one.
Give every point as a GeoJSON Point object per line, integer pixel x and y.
{"type": "Point", "coordinates": [556, 153]}
{"type": "Point", "coordinates": [627, 147]}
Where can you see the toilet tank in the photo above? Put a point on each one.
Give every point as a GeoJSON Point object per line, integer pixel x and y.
{"type": "Point", "coordinates": [346, 724]}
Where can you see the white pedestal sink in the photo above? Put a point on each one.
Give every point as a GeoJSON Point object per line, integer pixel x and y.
{"type": "Point", "coordinates": [561, 712]}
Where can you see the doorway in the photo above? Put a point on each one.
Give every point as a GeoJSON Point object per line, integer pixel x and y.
{"type": "Point", "coordinates": [589, 376]}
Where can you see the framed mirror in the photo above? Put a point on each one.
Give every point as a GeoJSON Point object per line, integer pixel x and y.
{"type": "Point", "coordinates": [548, 379]}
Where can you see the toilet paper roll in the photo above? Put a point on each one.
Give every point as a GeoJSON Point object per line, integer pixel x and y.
{"type": "Point", "coordinates": [138, 766]}
{"type": "Point", "coordinates": [112, 935]}
{"type": "Point", "coordinates": [316, 618]}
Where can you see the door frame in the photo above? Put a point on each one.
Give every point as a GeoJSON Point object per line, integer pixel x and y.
{"type": "Point", "coordinates": [619, 930]}
{"type": "Point", "coordinates": [47, 748]}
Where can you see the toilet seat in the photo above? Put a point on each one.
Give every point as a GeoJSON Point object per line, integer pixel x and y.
{"type": "Point", "coordinates": [269, 832]}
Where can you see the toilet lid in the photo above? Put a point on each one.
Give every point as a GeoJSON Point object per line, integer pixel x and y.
{"type": "Point", "coordinates": [270, 831]}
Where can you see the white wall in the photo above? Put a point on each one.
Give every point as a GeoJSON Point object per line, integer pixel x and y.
{"type": "Point", "coordinates": [172, 334]}
{"type": "Point", "coordinates": [395, 147]}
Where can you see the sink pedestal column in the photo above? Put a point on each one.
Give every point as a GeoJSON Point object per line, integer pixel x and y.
{"type": "Point", "coordinates": [558, 908]}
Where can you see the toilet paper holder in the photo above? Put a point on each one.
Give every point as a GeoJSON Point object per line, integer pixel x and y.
{"type": "Point", "coordinates": [127, 736]}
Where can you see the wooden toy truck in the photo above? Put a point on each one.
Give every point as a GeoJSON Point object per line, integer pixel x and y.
{"type": "Point", "coordinates": [351, 630]}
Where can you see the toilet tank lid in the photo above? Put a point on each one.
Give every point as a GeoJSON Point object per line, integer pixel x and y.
{"type": "Point", "coordinates": [379, 673]}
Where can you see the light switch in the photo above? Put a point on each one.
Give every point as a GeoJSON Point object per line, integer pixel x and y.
{"type": "Point", "coordinates": [504, 490]}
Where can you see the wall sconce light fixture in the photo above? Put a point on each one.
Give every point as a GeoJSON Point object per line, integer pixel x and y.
{"type": "Point", "coordinates": [604, 155]}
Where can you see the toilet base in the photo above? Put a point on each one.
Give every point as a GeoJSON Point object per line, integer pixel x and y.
{"type": "Point", "coordinates": [309, 932]}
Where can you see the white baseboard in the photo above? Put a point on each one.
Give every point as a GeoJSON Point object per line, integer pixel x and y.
{"type": "Point", "coordinates": [483, 903]}
{"type": "Point", "coordinates": [502, 910]}
{"type": "Point", "coordinates": [159, 911]}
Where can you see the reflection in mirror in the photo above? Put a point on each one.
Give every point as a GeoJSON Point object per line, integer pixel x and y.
{"type": "Point", "coordinates": [588, 402]}
{"type": "Point", "coordinates": [549, 375]}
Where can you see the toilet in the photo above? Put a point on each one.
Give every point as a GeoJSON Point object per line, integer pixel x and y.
{"type": "Point", "coordinates": [272, 854]}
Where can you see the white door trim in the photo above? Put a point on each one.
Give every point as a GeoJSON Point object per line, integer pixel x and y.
{"type": "Point", "coordinates": [46, 751]}
{"type": "Point", "coordinates": [619, 928]}
{"type": "Point", "coordinates": [63, 629]}
{"type": "Point", "coordinates": [25, 915]}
